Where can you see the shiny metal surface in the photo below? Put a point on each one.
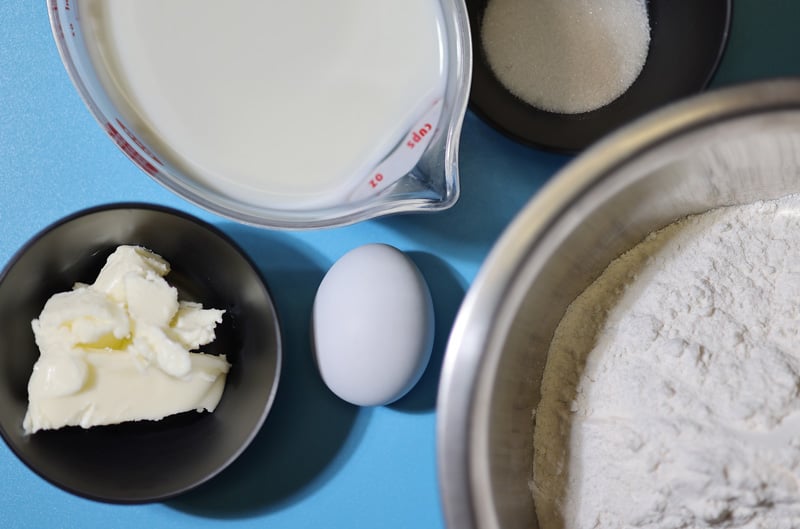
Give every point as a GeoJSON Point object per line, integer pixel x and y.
{"type": "Point", "coordinates": [727, 147]}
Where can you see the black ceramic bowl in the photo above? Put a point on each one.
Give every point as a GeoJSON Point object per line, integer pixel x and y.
{"type": "Point", "coordinates": [687, 40]}
{"type": "Point", "coordinates": [141, 461]}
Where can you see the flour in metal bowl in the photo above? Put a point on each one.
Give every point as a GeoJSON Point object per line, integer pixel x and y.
{"type": "Point", "coordinates": [669, 398]}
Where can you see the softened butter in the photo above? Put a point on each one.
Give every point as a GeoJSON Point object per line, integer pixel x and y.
{"type": "Point", "coordinates": [122, 349]}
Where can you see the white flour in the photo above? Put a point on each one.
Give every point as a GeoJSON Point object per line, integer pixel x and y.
{"type": "Point", "coordinates": [671, 397]}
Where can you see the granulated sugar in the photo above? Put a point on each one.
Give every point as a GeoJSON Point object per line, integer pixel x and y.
{"type": "Point", "coordinates": [671, 396]}
{"type": "Point", "coordinates": [566, 56]}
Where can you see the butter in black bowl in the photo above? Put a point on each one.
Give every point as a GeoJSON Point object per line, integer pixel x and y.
{"type": "Point", "coordinates": [141, 461]}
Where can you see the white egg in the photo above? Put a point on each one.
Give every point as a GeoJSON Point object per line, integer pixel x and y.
{"type": "Point", "coordinates": [373, 325]}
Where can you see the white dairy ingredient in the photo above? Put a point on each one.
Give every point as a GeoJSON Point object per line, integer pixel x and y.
{"type": "Point", "coordinates": [120, 349]}
{"type": "Point", "coordinates": [566, 56]}
{"type": "Point", "coordinates": [277, 104]}
{"type": "Point", "coordinates": [671, 396]}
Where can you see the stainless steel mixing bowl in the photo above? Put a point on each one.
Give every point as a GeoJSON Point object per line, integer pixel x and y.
{"type": "Point", "coordinates": [732, 146]}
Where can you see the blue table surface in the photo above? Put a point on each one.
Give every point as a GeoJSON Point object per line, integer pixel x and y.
{"type": "Point", "coordinates": [317, 462]}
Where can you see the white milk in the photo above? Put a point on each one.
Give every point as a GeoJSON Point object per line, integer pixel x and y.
{"type": "Point", "coordinates": [276, 103]}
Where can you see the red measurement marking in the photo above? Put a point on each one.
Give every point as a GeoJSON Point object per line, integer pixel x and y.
{"type": "Point", "coordinates": [418, 135]}
{"type": "Point", "coordinates": [128, 149]}
{"type": "Point", "coordinates": [141, 145]}
{"type": "Point", "coordinates": [377, 179]}
{"type": "Point", "coordinates": [72, 29]}
{"type": "Point", "coordinates": [60, 33]}
{"type": "Point", "coordinates": [66, 5]}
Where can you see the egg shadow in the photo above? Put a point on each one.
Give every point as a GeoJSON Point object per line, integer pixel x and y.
{"type": "Point", "coordinates": [309, 433]}
{"type": "Point", "coordinates": [447, 291]}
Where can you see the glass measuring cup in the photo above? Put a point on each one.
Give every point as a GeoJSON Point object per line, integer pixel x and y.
{"type": "Point", "coordinates": [420, 173]}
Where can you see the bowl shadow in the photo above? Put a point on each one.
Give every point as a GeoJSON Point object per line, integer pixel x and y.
{"type": "Point", "coordinates": [309, 433]}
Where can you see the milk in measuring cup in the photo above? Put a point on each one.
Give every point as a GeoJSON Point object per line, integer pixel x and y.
{"type": "Point", "coordinates": [285, 104]}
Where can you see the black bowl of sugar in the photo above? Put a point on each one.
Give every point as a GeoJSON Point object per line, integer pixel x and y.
{"type": "Point", "coordinates": [560, 74]}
